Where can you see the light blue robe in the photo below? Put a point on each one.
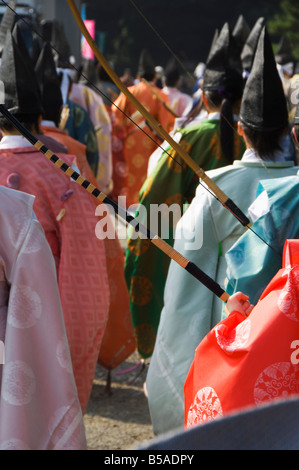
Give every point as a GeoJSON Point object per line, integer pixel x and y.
{"type": "Point", "coordinates": [190, 309]}
{"type": "Point", "coordinates": [249, 267]}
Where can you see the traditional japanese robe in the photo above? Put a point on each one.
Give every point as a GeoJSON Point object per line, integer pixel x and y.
{"type": "Point", "coordinates": [137, 146]}
{"type": "Point", "coordinates": [276, 218]}
{"type": "Point", "coordinates": [180, 123]}
{"type": "Point", "coordinates": [93, 103]}
{"type": "Point", "coordinates": [80, 127]}
{"type": "Point", "coordinates": [79, 255]}
{"type": "Point", "coordinates": [250, 362]}
{"type": "Point", "coordinates": [39, 405]}
{"type": "Point", "coordinates": [73, 147]}
{"type": "Point", "coordinates": [120, 167]}
{"type": "Point", "coordinates": [170, 186]}
{"type": "Point", "coordinates": [119, 340]}
{"type": "Point", "coordinates": [190, 310]}
{"type": "Point", "coordinates": [178, 100]}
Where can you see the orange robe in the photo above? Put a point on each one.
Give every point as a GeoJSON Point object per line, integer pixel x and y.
{"type": "Point", "coordinates": [119, 341]}
{"type": "Point", "coordinates": [249, 362]}
{"type": "Point", "coordinates": [137, 146]}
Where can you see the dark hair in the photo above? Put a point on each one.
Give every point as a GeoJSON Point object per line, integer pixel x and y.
{"type": "Point", "coordinates": [171, 81]}
{"type": "Point", "coordinates": [266, 143]}
{"type": "Point", "coordinates": [172, 77]}
{"type": "Point", "coordinates": [29, 121]}
{"type": "Point", "coordinates": [52, 114]}
{"type": "Point", "coordinates": [227, 130]}
{"type": "Point", "coordinates": [102, 74]}
{"type": "Point", "coordinates": [148, 76]}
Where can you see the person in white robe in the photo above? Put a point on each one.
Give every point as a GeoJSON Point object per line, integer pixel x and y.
{"type": "Point", "coordinates": [206, 232]}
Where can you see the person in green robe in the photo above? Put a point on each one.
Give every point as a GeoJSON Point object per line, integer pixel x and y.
{"type": "Point", "coordinates": [171, 185]}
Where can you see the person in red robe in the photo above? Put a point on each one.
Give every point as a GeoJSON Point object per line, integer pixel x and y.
{"type": "Point", "coordinates": [136, 144]}
{"type": "Point", "coordinates": [119, 340]}
{"type": "Point", "coordinates": [251, 357]}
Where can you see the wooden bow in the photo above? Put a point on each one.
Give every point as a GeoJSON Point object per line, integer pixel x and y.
{"type": "Point", "coordinates": [101, 197]}
{"type": "Point", "coordinates": [221, 196]}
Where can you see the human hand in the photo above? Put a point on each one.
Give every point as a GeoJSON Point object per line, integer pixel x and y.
{"type": "Point", "coordinates": [239, 302]}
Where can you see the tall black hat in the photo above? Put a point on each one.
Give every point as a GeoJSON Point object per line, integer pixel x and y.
{"type": "Point", "coordinates": [19, 37]}
{"type": "Point", "coordinates": [89, 72]}
{"type": "Point", "coordinates": [171, 71]}
{"type": "Point", "coordinates": [49, 83]}
{"type": "Point", "coordinates": [214, 40]}
{"type": "Point", "coordinates": [27, 39]}
{"type": "Point", "coordinates": [146, 64]}
{"type": "Point", "coordinates": [249, 49]}
{"type": "Point", "coordinates": [7, 22]}
{"type": "Point", "coordinates": [241, 32]}
{"type": "Point", "coordinates": [53, 31]}
{"type": "Point", "coordinates": [223, 67]}
{"type": "Point", "coordinates": [264, 105]}
{"type": "Point", "coordinates": [21, 91]}
{"type": "Point", "coordinates": [284, 53]}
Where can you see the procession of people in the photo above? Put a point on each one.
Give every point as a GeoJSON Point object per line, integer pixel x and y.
{"type": "Point", "coordinates": [73, 296]}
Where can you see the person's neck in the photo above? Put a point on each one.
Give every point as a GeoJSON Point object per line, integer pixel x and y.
{"type": "Point", "coordinates": [6, 133]}
{"type": "Point", "coordinates": [14, 132]}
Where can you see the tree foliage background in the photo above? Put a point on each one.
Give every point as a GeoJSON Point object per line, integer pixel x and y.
{"type": "Point", "coordinates": [286, 22]}
{"type": "Point", "coordinates": [185, 26]}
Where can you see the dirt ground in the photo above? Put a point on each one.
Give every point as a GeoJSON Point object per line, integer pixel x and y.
{"type": "Point", "coordinates": [120, 420]}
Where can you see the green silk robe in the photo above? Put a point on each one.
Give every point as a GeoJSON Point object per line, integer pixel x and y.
{"type": "Point", "coordinates": [171, 182]}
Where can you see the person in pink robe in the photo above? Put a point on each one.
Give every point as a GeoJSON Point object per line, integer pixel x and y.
{"type": "Point", "coordinates": [39, 406]}
{"type": "Point", "coordinates": [119, 340]}
{"type": "Point", "coordinates": [67, 214]}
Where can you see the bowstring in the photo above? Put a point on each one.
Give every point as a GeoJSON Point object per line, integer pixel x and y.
{"type": "Point", "coordinates": [190, 76]}
{"type": "Point", "coordinates": [80, 73]}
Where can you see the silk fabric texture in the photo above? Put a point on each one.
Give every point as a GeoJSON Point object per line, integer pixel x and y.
{"type": "Point", "coordinates": [248, 362]}
{"type": "Point", "coordinates": [79, 255]}
{"type": "Point", "coordinates": [119, 341]}
{"type": "Point", "coordinates": [39, 404]}
{"type": "Point", "coordinates": [190, 310]}
{"type": "Point", "coordinates": [136, 144]}
{"type": "Point", "coordinates": [170, 182]}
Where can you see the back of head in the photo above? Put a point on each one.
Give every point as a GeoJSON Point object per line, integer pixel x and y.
{"type": "Point", "coordinates": [146, 66]}
{"type": "Point", "coordinates": [171, 74]}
